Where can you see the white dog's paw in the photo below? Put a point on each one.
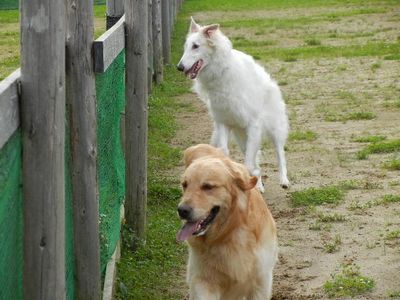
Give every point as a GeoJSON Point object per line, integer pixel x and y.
{"type": "Point", "coordinates": [260, 185]}
{"type": "Point", "coordinates": [285, 183]}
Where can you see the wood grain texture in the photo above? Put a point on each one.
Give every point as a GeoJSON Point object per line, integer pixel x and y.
{"type": "Point", "coordinates": [107, 47]}
{"type": "Point", "coordinates": [81, 99]}
{"type": "Point", "coordinates": [150, 46]}
{"type": "Point", "coordinates": [43, 24]}
{"type": "Point", "coordinates": [9, 106]}
{"type": "Point", "coordinates": [157, 42]}
{"type": "Point", "coordinates": [166, 30]}
{"type": "Point", "coordinates": [136, 115]}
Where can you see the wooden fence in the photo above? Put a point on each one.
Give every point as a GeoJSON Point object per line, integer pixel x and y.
{"type": "Point", "coordinates": [59, 60]}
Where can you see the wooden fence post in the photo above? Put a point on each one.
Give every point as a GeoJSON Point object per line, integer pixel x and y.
{"type": "Point", "coordinates": [81, 99]}
{"type": "Point", "coordinates": [166, 31]}
{"type": "Point", "coordinates": [150, 46]}
{"type": "Point", "coordinates": [43, 25]}
{"type": "Point", "coordinates": [157, 42]}
{"type": "Point", "coordinates": [115, 10]}
{"type": "Point", "coordinates": [136, 116]}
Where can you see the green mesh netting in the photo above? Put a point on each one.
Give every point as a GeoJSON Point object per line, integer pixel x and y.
{"type": "Point", "coordinates": [110, 90]}
{"type": "Point", "coordinates": [11, 219]}
{"type": "Point", "coordinates": [13, 4]}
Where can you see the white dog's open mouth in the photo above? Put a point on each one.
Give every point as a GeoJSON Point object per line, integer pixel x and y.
{"type": "Point", "coordinates": [195, 69]}
{"type": "Point", "coordinates": [198, 227]}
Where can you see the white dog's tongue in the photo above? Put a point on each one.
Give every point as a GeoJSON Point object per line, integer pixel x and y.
{"type": "Point", "coordinates": [187, 230]}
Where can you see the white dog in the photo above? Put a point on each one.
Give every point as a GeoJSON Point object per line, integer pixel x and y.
{"type": "Point", "coordinates": [240, 95]}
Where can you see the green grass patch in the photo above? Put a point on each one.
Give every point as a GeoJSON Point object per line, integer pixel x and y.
{"type": "Point", "coordinates": [315, 52]}
{"type": "Point", "coordinates": [307, 135]}
{"type": "Point", "coordinates": [361, 115]}
{"type": "Point", "coordinates": [9, 16]}
{"type": "Point", "coordinates": [385, 200]}
{"type": "Point", "coordinates": [312, 42]}
{"type": "Point", "coordinates": [328, 218]}
{"type": "Point", "coordinates": [380, 147]}
{"type": "Point", "coordinates": [349, 282]}
{"type": "Point", "coordinates": [394, 294]}
{"type": "Point", "coordinates": [334, 245]}
{"type": "Point", "coordinates": [393, 235]}
{"type": "Point", "coordinates": [393, 164]}
{"type": "Point", "coordinates": [369, 139]}
{"type": "Point", "coordinates": [317, 196]}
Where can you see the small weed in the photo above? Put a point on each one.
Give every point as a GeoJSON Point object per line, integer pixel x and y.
{"type": "Point", "coordinates": [393, 235]}
{"type": "Point", "coordinates": [317, 196]}
{"type": "Point", "coordinates": [394, 294]}
{"type": "Point", "coordinates": [385, 200]}
{"type": "Point", "coordinates": [307, 135]}
{"type": "Point", "coordinates": [375, 66]}
{"type": "Point", "coordinates": [369, 139]}
{"type": "Point", "coordinates": [348, 282]}
{"type": "Point", "coordinates": [360, 115]}
{"type": "Point", "coordinates": [351, 184]}
{"type": "Point", "coordinates": [289, 59]}
{"type": "Point", "coordinates": [312, 42]}
{"type": "Point", "coordinates": [335, 217]}
{"type": "Point", "coordinates": [393, 164]}
{"type": "Point", "coordinates": [332, 247]}
{"type": "Point", "coordinates": [382, 147]}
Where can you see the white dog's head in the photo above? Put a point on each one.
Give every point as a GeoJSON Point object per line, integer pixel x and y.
{"type": "Point", "coordinates": [200, 46]}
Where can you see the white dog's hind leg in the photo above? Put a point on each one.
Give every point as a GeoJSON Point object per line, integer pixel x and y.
{"type": "Point", "coordinates": [280, 153]}
{"type": "Point", "coordinates": [220, 137]}
{"type": "Point", "coordinates": [253, 145]}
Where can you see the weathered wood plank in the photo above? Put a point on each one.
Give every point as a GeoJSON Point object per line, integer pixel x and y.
{"type": "Point", "coordinates": [157, 42]}
{"type": "Point", "coordinates": [136, 116]}
{"type": "Point", "coordinates": [107, 47]}
{"type": "Point", "coordinates": [115, 10]}
{"type": "Point", "coordinates": [43, 24]}
{"type": "Point", "coordinates": [81, 99]}
{"type": "Point", "coordinates": [9, 106]}
{"type": "Point", "coordinates": [166, 31]}
{"type": "Point", "coordinates": [150, 46]}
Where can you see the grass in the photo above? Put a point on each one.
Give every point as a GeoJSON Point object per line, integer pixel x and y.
{"type": "Point", "coordinates": [379, 147]}
{"type": "Point", "coordinates": [349, 282]}
{"type": "Point", "coordinates": [393, 165]}
{"type": "Point", "coordinates": [394, 294]}
{"type": "Point", "coordinates": [334, 245]}
{"type": "Point", "coordinates": [298, 135]}
{"type": "Point", "coordinates": [393, 235]}
{"type": "Point", "coordinates": [385, 200]}
{"type": "Point", "coordinates": [151, 271]}
{"type": "Point", "coordinates": [335, 217]}
{"type": "Point", "coordinates": [317, 196]}
{"type": "Point", "coordinates": [369, 139]}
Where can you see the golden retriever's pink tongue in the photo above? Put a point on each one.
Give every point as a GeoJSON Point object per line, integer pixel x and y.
{"type": "Point", "coordinates": [186, 231]}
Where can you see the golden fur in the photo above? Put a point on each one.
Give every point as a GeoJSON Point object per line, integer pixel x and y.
{"type": "Point", "coordinates": [235, 257]}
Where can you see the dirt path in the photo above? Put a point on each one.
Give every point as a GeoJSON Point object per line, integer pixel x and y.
{"type": "Point", "coordinates": [322, 94]}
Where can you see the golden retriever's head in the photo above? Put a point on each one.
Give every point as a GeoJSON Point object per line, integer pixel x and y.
{"type": "Point", "coordinates": [212, 185]}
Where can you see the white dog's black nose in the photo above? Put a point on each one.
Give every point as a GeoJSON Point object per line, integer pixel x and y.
{"type": "Point", "coordinates": [184, 211]}
{"type": "Point", "coordinates": [180, 67]}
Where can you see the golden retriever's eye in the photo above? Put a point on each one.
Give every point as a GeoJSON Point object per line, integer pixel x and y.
{"type": "Point", "coordinates": [184, 185]}
{"type": "Point", "coordinates": [207, 186]}
{"type": "Point", "coordinates": [195, 46]}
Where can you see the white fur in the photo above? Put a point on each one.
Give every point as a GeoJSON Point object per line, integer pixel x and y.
{"type": "Point", "coordinates": [240, 95]}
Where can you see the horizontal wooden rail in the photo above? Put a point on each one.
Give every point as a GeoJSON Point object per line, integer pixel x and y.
{"type": "Point", "coordinates": [107, 47]}
{"type": "Point", "coordinates": [9, 106]}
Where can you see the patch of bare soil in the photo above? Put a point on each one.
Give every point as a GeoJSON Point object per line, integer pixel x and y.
{"type": "Point", "coordinates": [315, 89]}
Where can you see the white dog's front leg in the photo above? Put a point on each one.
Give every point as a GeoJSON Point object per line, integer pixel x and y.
{"type": "Point", "coordinates": [220, 137]}
{"type": "Point", "coordinates": [253, 145]}
{"type": "Point", "coordinates": [199, 290]}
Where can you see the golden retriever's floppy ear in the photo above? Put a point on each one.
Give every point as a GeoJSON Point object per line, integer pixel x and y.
{"type": "Point", "coordinates": [200, 150]}
{"type": "Point", "coordinates": [241, 176]}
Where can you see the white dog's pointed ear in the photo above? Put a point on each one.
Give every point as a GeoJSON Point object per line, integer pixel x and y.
{"type": "Point", "coordinates": [210, 30]}
{"type": "Point", "coordinates": [194, 27]}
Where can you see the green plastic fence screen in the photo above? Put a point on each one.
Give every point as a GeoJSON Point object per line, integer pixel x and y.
{"type": "Point", "coordinates": [13, 4]}
{"type": "Point", "coordinates": [110, 90]}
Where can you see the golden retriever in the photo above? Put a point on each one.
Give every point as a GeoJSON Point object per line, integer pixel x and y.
{"type": "Point", "coordinates": [229, 230]}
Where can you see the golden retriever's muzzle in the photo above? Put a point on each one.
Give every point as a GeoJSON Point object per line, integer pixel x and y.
{"type": "Point", "coordinates": [194, 227]}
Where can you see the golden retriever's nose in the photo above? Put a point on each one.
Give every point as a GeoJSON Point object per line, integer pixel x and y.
{"type": "Point", "coordinates": [184, 211]}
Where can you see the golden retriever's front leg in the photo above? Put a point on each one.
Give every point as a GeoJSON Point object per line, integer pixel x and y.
{"type": "Point", "coordinates": [200, 290]}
